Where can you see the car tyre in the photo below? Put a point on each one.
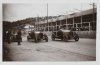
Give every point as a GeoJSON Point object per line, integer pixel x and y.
{"type": "Point", "coordinates": [36, 40]}
{"type": "Point", "coordinates": [76, 38]}
{"type": "Point", "coordinates": [65, 38]}
{"type": "Point", "coordinates": [27, 39]}
{"type": "Point", "coordinates": [53, 38]}
{"type": "Point", "coordinates": [46, 39]}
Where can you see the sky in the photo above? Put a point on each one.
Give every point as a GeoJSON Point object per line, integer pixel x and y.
{"type": "Point", "coordinates": [19, 11]}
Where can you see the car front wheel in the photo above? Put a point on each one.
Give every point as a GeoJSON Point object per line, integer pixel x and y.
{"type": "Point", "coordinates": [65, 38]}
{"type": "Point", "coordinates": [46, 39]}
{"type": "Point", "coordinates": [36, 40]}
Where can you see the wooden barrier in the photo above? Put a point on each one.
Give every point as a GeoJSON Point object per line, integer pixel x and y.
{"type": "Point", "coordinates": [86, 34]}
{"type": "Point", "coordinates": [82, 34]}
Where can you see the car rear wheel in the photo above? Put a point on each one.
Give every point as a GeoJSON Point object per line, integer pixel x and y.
{"type": "Point", "coordinates": [76, 38]}
{"type": "Point", "coordinates": [27, 39]}
{"type": "Point", "coordinates": [53, 38]}
{"type": "Point", "coordinates": [45, 37]}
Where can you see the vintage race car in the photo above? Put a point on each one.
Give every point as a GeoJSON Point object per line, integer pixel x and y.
{"type": "Point", "coordinates": [37, 36]}
{"type": "Point", "coordinates": [64, 35]}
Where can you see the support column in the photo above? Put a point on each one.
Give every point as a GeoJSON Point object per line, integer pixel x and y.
{"type": "Point", "coordinates": [73, 22]}
{"type": "Point", "coordinates": [66, 24]}
{"type": "Point", "coordinates": [89, 26]}
{"type": "Point", "coordinates": [81, 21]}
{"type": "Point", "coordinates": [60, 23]}
{"type": "Point", "coordinates": [66, 20]}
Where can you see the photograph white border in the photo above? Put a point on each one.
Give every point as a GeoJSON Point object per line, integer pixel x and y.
{"type": "Point", "coordinates": [97, 62]}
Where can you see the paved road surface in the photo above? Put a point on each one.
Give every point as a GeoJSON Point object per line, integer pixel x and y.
{"type": "Point", "coordinates": [83, 50]}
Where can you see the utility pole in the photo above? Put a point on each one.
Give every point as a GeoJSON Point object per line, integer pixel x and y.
{"type": "Point", "coordinates": [93, 5]}
{"type": "Point", "coordinates": [37, 22]}
{"type": "Point", "coordinates": [66, 20]}
{"type": "Point", "coordinates": [47, 17]}
{"type": "Point", "coordinates": [93, 14]}
{"type": "Point", "coordinates": [93, 11]}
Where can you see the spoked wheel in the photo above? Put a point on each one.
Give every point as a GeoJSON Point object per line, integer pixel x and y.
{"type": "Point", "coordinates": [27, 39]}
{"type": "Point", "coordinates": [36, 40]}
{"type": "Point", "coordinates": [46, 39]}
{"type": "Point", "coordinates": [65, 39]}
{"type": "Point", "coordinates": [53, 38]}
{"type": "Point", "coordinates": [76, 38]}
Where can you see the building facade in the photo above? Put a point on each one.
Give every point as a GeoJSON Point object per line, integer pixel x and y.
{"type": "Point", "coordinates": [78, 21]}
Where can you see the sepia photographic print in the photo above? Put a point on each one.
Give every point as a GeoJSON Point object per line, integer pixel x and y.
{"type": "Point", "coordinates": [49, 31]}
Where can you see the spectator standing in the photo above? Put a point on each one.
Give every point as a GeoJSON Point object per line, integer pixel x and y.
{"type": "Point", "coordinates": [8, 36]}
{"type": "Point", "coordinates": [19, 37]}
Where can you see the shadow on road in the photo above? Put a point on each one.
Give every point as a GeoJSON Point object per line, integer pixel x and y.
{"type": "Point", "coordinates": [65, 41]}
